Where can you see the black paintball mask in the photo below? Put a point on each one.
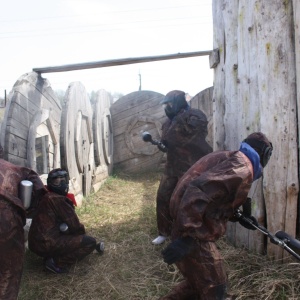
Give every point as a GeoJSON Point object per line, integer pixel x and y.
{"type": "Point", "coordinates": [174, 102]}
{"type": "Point", "coordinates": [264, 150]}
{"type": "Point", "coordinates": [58, 182]}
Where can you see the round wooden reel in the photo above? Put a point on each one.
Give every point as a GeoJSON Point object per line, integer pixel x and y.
{"type": "Point", "coordinates": [31, 125]}
{"type": "Point", "coordinates": [77, 139]}
{"type": "Point", "coordinates": [132, 115]}
{"type": "Point", "coordinates": [103, 137]}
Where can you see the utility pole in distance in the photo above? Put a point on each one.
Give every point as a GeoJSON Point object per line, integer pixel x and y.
{"type": "Point", "coordinates": [140, 79]}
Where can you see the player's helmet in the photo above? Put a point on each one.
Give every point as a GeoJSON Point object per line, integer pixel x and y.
{"type": "Point", "coordinates": [174, 101]}
{"type": "Point", "coordinates": [58, 181]}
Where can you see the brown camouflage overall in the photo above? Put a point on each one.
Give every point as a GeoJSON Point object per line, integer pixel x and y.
{"type": "Point", "coordinates": [45, 238]}
{"type": "Point", "coordinates": [203, 201]}
{"type": "Point", "coordinates": [12, 220]}
{"type": "Point", "coordinates": [185, 138]}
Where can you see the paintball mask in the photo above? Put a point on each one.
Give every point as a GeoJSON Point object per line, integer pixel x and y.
{"type": "Point", "coordinates": [264, 150]}
{"type": "Point", "coordinates": [174, 101]}
{"type": "Point", "coordinates": [58, 181]}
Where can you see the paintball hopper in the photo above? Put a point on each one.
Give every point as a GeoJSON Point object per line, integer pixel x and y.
{"type": "Point", "coordinates": [148, 138]}
{"type": "Point", "coordinates": [281, 238]}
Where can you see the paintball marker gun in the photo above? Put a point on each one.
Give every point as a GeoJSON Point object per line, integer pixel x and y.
{"type": "Point", "coordinates": [281, 238]}
{"type": "Point", "coordinates": [148, 138]}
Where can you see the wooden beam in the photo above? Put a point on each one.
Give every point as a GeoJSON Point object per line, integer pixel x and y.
{"type": "Point", "coordinates": [118, 62]}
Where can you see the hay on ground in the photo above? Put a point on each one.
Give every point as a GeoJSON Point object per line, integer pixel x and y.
{"type": "Point", "coordinates": [122, 214]}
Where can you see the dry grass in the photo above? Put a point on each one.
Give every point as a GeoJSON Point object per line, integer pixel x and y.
{"type": "Point", "coordinates": [122, 213]}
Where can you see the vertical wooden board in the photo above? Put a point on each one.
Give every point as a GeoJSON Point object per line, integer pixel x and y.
{"type": "Point", "coordinates": [276, 84]}
{"type": "Point", "coordinates": [296, 9]}
{"type": "Point", "coordinates": [220, 43]}
{"type": "Point", "coordinates": [257, 241]}
{"type": "Point", "coordinates": [204, 102]}
{"type": "Point", "coordinates": [247, 109]}
{"type": "Point", "coordinates": [225, 81]}
{"type": "Point", "coordinates": [131, 116]}
{"type": "Point", "coordinates": [77, 138]}
{"type": "Point", "coordinates": [231, 116]}
{"type": "Point", "coordinates": [87, 180]}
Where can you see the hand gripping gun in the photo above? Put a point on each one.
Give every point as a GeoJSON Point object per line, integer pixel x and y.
{"type": "Point", "coordinates": [148, 138]}
{"type": "Point", "coordinates": [281, 238]}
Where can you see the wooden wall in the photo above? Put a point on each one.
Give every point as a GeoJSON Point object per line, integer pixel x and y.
{"type": "Point", "coordinates": [88, 139]}
{"type": "Point", "coordinates": [255, 90]}
{"type": "Point", "coordinates": [204, 101]}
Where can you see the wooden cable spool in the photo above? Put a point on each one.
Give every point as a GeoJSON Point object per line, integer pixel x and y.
{"type": "Point", "coordinates": [31, 125]}
{"type": "Point", "coordinates": [77, 139]}
{"type": "Point", "coordinates": [103, 138]}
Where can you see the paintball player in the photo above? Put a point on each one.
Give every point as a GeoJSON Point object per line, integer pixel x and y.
{"type": "Point", "coordinates": [205, 198]}
{"type": "Point", "coordinates": [56, 233]}
{"type": "Point", "coordinates": [12, 220]}
{"type": "Point", "coordinates": [183, 136]}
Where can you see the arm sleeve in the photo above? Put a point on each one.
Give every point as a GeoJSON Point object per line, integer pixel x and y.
{"type": "Point", "coordinates": [196, 124]}
{"type": "Point", "coordinates": [247, 207]}
{"type": "Point", "coordinates": [38, 192]}
{"type": "Point", "coordinates": [207, 198]}
{"type": "Point", "coordinates": [67, 214]}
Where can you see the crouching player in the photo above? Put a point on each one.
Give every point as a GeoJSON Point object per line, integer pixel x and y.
{"type": "Point", "coordinates": [56, 233]}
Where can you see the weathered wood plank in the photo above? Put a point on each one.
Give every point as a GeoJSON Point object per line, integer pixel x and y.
{"type": "Point", "coordinates": [276, 84]}
{"type": "Point", "coordinates": [296, 10]}
{"type": "Point", "coordinates": [16, 146]}
{"type": "Point", "coordinates": [225, 29]}
{"type": "Point", "coordinates": [204, 101]}
{"type": "Point", "coordinates": [119, 62]}
{"type": "Point", "coordinates": [144, 107]}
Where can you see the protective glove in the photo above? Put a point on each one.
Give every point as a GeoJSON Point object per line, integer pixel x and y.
{"type": "Point", "coordinates": [247, 207]}
{"type": "Point", "coordinates": [247, 225]}
{"type": "Point", "coordinates": [178, 249]}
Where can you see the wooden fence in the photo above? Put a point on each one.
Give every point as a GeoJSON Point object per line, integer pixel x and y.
{"type": "Point", "coordinates": [256, 88]}
{"type": "Point", "coordinates": [87, 139]}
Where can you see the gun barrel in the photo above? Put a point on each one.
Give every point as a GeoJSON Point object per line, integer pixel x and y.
{"type": "Point", "coordinates": [280, 238]}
